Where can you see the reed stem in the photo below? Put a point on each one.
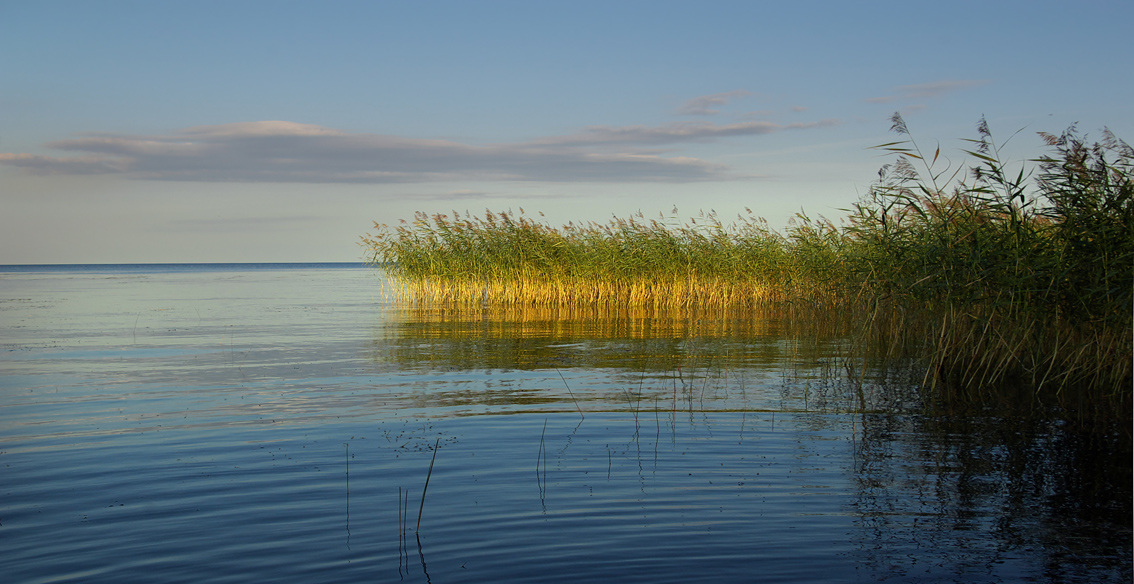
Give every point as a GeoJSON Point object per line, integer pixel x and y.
{"type": "Point", "coordinates": [436, 447]}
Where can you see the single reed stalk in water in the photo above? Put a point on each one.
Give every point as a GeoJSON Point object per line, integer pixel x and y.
{"type": "Point", "coordinates": [403, 511]}
{"type": "Point", "coordinates": [541, 455]}
{"type": "Point", "coordinates": [347, 447]}
{"type": "Point", "coordinates": [436, 446]}
{"type": "Point", "coordinates": [569, 392]}
{"type": "Point", "coordinates": [405, 519]}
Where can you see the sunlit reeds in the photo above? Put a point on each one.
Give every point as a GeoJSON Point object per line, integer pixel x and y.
{"type": "Point", "coordinates": [506, 258]}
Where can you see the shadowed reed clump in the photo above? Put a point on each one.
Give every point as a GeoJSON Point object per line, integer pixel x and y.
{"type": "Point", "coordinates": [1003, 283]}
{"type": "Point", "coordinates": [999, 278]}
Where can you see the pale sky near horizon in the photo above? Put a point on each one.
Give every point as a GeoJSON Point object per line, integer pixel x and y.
{"type": "Point", "coordinates": [263, 131]}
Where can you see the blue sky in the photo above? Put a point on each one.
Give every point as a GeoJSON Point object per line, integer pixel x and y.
{"type": "Point", "coordinates": [280, 131]}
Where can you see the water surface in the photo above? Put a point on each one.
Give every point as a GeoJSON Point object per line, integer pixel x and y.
{"type": "Point", "coordinates": [278, 423]}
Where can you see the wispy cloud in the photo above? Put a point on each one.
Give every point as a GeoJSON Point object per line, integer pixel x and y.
{"type": "Point", "coordinates": [457, 195]}
{"type": "Point", "coordinates": [702, 106]}
{"type": "Point", "coordinates": [926, 90]}
{"type": "Point", "coordinates": [673, 133]}
{"type": "Point", "coordinates": [471, 195]}
{"type": "Point", "coordinates": [290, 152]}
{"type": "Point", "coordinates": [279, 151]}
{"type": "Point", "coordinates": [52, 165]}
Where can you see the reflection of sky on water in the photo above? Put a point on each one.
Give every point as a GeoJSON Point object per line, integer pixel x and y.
{"type": "Point", "coordinates": [290, 342]}
{"type": "Point", "coordinates": [216, 411]}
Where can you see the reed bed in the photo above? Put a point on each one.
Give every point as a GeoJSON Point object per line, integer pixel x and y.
{"type": "Point", "coordinates": [996, 274]}
{"type": "Point", "coordinates": [1021, 277]}
{"type": "Point", "coordinates": [506, 258]}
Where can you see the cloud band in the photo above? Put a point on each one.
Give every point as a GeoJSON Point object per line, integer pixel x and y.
{"type": "Point", "coordinates": [280, 151]}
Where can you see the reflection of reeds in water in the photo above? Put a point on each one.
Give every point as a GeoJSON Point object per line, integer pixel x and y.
{"type": "Point", "coordinates": [638, 339]}
{"type": "Point", "coordinates": [590, 321]}
{"type": "Point", "coordinates": [1062, 486]}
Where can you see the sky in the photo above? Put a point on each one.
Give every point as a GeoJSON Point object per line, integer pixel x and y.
{"type": "Point", "coordinates": [275, 131]}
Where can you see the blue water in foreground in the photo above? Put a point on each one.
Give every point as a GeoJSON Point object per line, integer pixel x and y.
{"type": "Point", "coordinates": [278, 423]}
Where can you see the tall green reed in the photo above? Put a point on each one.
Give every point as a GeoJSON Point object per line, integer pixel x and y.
{"type": "Point", "coordinates": [1011, 282]}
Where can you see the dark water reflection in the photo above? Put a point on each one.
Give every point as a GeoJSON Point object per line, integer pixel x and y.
{"type": "Point", "coordinates": [278, 425]}
{"type": "Point", "coordinates": [992, 492]}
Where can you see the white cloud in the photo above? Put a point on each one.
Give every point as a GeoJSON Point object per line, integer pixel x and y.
{"type": "Point", "coordinates": [702, 106]}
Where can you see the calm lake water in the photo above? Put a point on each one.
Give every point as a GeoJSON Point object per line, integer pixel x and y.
{"type": "Point", "coordinates": [278, 423]}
